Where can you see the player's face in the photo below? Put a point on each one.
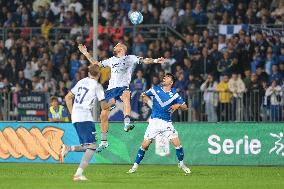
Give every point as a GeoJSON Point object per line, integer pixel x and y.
{"type": "Point", "coordinates": [119, 49]}
{"type": "Point", "coordinates": [54, 103]}
{"type": "Point", "coordinates": [167, 80]}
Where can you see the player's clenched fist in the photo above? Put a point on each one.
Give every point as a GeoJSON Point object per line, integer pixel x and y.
{"type": "Point", "coordinates": [83, 49]}
{"type": "Point", "coordinates": [161, 60]}
{"type": "Point", "coordinates": [174, 107]}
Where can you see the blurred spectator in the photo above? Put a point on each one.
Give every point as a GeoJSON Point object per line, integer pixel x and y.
{"type": "Point", "coordinates": [261, 74]}
{"type": "Point", "coordinates": [281, 56]}
{"type": "Point", "coordinates": [210, 97]}
{"type": "Point", "coordinates": [11, 71]}
{"type": "Point", "coordinates": [77, 5]}
{"type": "Point", "coordinates": [24, 83]}
{"type": "Point", "coordinates": [38, 84]}
{"type": "Point", "coordinates": [139, 84]}
{"type": "Point", "coordinates": [161, 75]}
{"type": "Point", "coordinates": [256, 59]}
{"type": "Point", "coordinates": [155, 80]}
{"type": "Point", "coordinates": [269, 62]}
{"type": "Point", "coordinates": [193, 85]}
{"type": "Point", "coordinates": [274, 94]}
{"type": "Point", "coordinates": [10, 40]}
{"type": "Point", "coordinates": [206, 62]}
{"type": "Point", "coordinates": [139, 45]}
{"type": "Point", "coordinates": [275, 75]}
{"type": "Point", "coordinates": [179, 52]}
{"type": "Point", "coordinates": [237, 88]}
{"type": "Point", "coordinates": [61, 92]}
{"type": "Point", "coordinates": [28, 71]}
{"type": "Point", "coordinates": [55, 7]}
{"type": "Point", "coordinates": [66, 80]}
{"type": "Point", "coordinates": [199, 15]}
{"type": "Point", "coordinates": [45, 28]}
{"type": "Point", "coordinates": [226, 65]}
{"type": "Point", "coordinates": [169, 62]}
{"type": "Point", "coordinates": [76, 79]}
{"type": "Point", "coordinates": [254, 97]}
{"type": "Point", "coordinates": [44, 72]}
{"type": "Point", "coordinates": [167, 13]}
{"type": "Point", "coordinates": [180, 84]}
{"type": "Point", "coordinates": [247, 78]}
{"type": "Point", "coordinates": [59, 56]}
{"type": "Point", "coordinates": [74, 64]}
{"type": "Point", "coordinates": [56, 112]}
{"type": "Point", "coordinates": [225, 96]}
{"type": "Point", "coordinates": [76, 30]}
{"type": "Point", "coordinates": [2, 59]}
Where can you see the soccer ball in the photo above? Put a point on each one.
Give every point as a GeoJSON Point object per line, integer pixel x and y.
{"type": "Point", "coordinates": [136, 17]}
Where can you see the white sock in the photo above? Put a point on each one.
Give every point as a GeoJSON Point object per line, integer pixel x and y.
{"type": "Point", "coordinates": [72, 149]}
{"type": "Point", "coordinates": [135, 165]}
{"type": "Point", "coordinates": [181, 162]}
{"type": "Point", "coordinates": [79, 172]}
{"type": "Point", "coordinates": [104, 142]}
{"type": "Point", "coordinates": [126, 120]}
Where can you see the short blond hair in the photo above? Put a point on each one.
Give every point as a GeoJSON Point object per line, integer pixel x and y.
{"type": "Point", "coordinates": [121, 45]}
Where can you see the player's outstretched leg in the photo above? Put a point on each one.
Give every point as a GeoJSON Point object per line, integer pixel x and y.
{"type": "Point", "coordinates": [180, 155]}
{"type": "Point", "coordinates": [65, 149]}
{"type": "Point", "coordinates": [140, 155]}
{"type": "Point", "coordinates": [90, 150]}
{"type": "Point", "coordinates": [126, 111]}
{"type": "Point", "coordinates": [63, 152]}
{"type": "Point", "coordinates": [104, 130]}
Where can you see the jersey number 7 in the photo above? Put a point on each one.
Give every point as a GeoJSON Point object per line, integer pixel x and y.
{"type": "Point", "coordinates": [82, 91]}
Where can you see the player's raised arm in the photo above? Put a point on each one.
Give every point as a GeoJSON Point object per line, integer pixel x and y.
{"type": "Point", "coordinates": [84, 51]}
{"type": "Point", "coordinates": [146, 97]}
{"type": "Point", "coordinates": [69, 101]}
{"type": "Point", "coordinates": [152, 60]}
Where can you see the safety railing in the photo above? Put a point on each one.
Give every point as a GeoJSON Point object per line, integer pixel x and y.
{"type": "Point", "coordinates": [251, 106]}
{"type": "Point", "coordinates": [209, 106]}
{"type": "Point", "coordinates": [149, 32]}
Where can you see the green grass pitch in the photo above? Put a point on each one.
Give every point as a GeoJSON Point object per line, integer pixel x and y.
{"type": "Point", "coordinates": [53, 176]}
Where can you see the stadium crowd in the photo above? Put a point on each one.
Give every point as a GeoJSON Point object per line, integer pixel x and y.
{"type": "Point", "coordinates": [241, 72]}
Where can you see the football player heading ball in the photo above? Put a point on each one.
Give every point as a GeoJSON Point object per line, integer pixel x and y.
{"type": "Point", "coordinates": [122, 67]}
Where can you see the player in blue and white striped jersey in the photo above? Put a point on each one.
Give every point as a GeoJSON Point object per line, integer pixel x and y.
{"type": "Point", "coordinates": [165, 101]}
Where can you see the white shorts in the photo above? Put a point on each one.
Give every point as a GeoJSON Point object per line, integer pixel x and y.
{"type": "Point", "coordinates": [159, 126]}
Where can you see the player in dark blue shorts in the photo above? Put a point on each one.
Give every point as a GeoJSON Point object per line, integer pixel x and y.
{"type": "Point", "coordinates": [84, 95]}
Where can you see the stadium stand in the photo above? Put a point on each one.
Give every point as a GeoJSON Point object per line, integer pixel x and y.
{"type": "Point", "coordinates": [241, 40]}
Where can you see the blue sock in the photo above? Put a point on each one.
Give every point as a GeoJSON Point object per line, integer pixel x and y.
{"type": "Point", "coordinates": [179, 153]}
{"type": "Point", "coordinates": [140, 155]}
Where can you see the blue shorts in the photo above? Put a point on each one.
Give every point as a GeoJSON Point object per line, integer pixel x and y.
{"type": "Point", "coordinates": [115, 93]}
{"type": "Point", "coordinates": [86, 132]}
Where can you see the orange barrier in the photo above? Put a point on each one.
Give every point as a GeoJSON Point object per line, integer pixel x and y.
{"type": "Point", "coordinates": [30, 144]}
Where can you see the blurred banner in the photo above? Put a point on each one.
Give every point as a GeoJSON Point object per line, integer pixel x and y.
{"type": "Point", "coordinates": [32, 107]}
{"type": "Point", "coordinates": [204, 144]}
{"type": "Point", "coordinates": [229, 30]}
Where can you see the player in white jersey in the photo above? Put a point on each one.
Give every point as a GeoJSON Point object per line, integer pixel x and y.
{"type": "Point", "coordinates": [165, 101]}
{"type": "Point", "coordinates": [122, 67]}
{"type": "Point", "coordinates": [84, 94]}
